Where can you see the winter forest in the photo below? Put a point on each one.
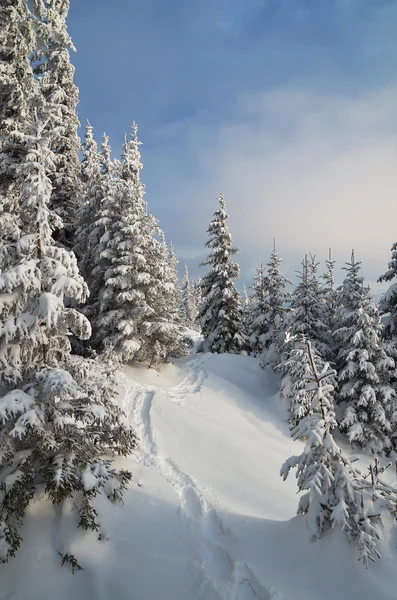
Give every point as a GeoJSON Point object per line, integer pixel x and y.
{"type": "Point", "coordinates": [90, 287]}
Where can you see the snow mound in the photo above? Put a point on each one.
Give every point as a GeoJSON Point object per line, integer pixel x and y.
{"type": "Point", "coordinates": [207, 516]}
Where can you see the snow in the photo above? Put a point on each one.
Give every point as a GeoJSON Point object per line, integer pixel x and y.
{"type": "Point", "coordinates": [207, 516]}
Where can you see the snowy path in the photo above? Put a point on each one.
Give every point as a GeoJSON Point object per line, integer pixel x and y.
{"type": "Point", "coordinates": [223, 577]}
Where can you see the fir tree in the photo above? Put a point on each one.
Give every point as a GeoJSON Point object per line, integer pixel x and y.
{"type": "Point", "coordinates": [334, 491]}
{"type": "Point", "coordinates": [188, 302]}
{"type": "Point", "coordinates": [165, 330]}
{"type": "Point", "coordinates": [275, 312]}
{"type": "Point", "coordinates": [257, 324]}
{"type": "Point", "coordinates": [56, 73]}
{"type": "Point", "coordinates": [364, 367]}
{"type": "Point", "coordinates": [59, 417]}
{"type": "Point", "coordinates": [294, 369]}
{"type": "Point", "coordinates": [135, 318]}
{"type": "Point", "coordinates": [221, 312]}
{"type": "Point", "coordinates": [330, 294]}
{"type": "Point", "coordinates": [88, 232]}
{"type": "Point", "coordinates": [17, 95]}
{"type": "Point", "coordinates": [388, 303]}
{"type": "Point", "coordinates": [246, 316]}
{"type": "Point", "coordinates": [307, 316]}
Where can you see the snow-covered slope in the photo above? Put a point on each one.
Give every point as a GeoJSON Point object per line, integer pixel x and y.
{"type": "Point", "coordinates": [207, 516]}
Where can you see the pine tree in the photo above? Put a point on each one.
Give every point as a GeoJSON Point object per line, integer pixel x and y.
{"type": "Point", "coordinates": [56, 73]}
{"type": "Point", "coordinates": [276, 311]}
{"type": "Point", "coordinates": [221, 312]}
{"type": "Point", "coordinates": [59, 417]}
{"type": "Point", "coordinates": [364, 367]}
{"type": "Point", "coordinates": [188, 302]}
{"type": "Point", "coordinates": [388, 303]}
{"type": "Point", "coordinates": [334, 491]}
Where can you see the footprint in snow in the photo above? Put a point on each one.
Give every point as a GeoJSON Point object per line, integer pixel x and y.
{"type": "Point", "coordinates": [248, 587]}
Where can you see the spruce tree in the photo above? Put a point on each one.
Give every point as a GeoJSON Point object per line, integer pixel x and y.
{"type": "Point", "coordinates": [136, 310]}
{"type": "Point", "coordinates": [17, 94]}
{"type": "Point", "coordinates": [335, 493]}
{"type": "Point", "coordinates": [88, 232]}
{"type": "Point", "coordinates": [330, 293]}
{"type": "Point", "coordinates": [256, 322]}
{"type": "Point", "coordinates": [365, 367]}
{"type": "Point", "coordinates": [221, 312]}
{"type": "Point", "coordinates": [388, 303]}
{"type": "Point", "coordinates": [56, 73]}
{"type": "Point", "coordinates": [294, 370]}
{"type": "Point", "coordinates": [198, 300]}
{"type": "Point", "coordinates": [188, 302]}
{"type": "Point", "coordinates": [165, 329]}
{"type": "Point", "coordinates": [59, 415]}
{"type": "Point", "coordinates": [276, 311]}
{"type": "Point", "coordinates": [307, 316]}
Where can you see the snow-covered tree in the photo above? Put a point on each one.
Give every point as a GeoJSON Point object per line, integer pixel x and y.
{"type": "Point", "coordinates": [56, 73]}
{"type": "Point", "coordinates": [330, 295]}
{"type": "Point", "coordinates": [294, 370]}
{"type": "Point", "coordinates": [255, 313]}
{"type": "Point", "coordinates": [276, 311]}
{"type": "Point", "coordinates": [388, 303]}
{"type": "Point", "coordinates": [165, 331]}
{"type": "Point", "coordinates": [17, 94]}
{"type": "Point", "coordinates": [335, 494]}
{"type": "Point", "coordinates": [221, 313]}
{"type": "Point", "coordinates": [364, 367]}
{"type": "Point", "coordinates": [59, 418]}
{"type": "Point", "coordinates": [198, 299]}
{"type": "Point", "coordinates": [188, 302]}
{"type": "Point", "coordinates": [89, 232]}
{"type": "Point", "coordinates": [134, 304]}
{"type": "Point", "coordinates": [307, 316]}
{"type": "Point", "coordinates": [172, 289]}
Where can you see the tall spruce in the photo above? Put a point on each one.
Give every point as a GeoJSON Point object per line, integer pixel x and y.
{"type": "Point", "coordinates": [221, 311]}
{"type": "Point", "coordinates": [256, 308]}
{"type": "Point", "coordinates": [56, 73]}
{"type": "Point", "coordinates": [188, 302]}
{"type": "Point", "coordinates": [276, 311]}
{"type": "Point", "coordinates": [17, 95]}
{"type": "Point", "coordinates": [330, 302]}
{"type": "Point", "coordinates": [365, 368]}
{"type": "Point", "coordinates": [88, 232]}
{"type": "Point", "coordinates": [307, 316]}
{"type": "Point", "coordinates": [388, 303]}
{"type": "Point", "coordinates": [133, 318]}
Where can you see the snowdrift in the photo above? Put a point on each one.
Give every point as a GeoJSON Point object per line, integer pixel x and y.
{"type": "Point", "coordinates": [207, 515]}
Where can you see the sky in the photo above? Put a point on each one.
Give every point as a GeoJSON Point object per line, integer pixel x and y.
{"type": "Point", "coordinates": [288, 107]}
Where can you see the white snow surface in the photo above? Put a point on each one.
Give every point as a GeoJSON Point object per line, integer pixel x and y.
{"type": "Point", "coordinates": [207, 516]}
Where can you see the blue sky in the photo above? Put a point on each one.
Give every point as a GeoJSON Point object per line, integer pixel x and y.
{"type": "Point", "coordinates": [288, 106]}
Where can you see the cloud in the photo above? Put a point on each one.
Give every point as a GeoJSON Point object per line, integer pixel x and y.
{"type": "Point", "coordinates": [312, 169]}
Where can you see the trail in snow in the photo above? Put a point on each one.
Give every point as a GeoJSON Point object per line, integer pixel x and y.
{"type": "Point", "coordinates": [222, 577]}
